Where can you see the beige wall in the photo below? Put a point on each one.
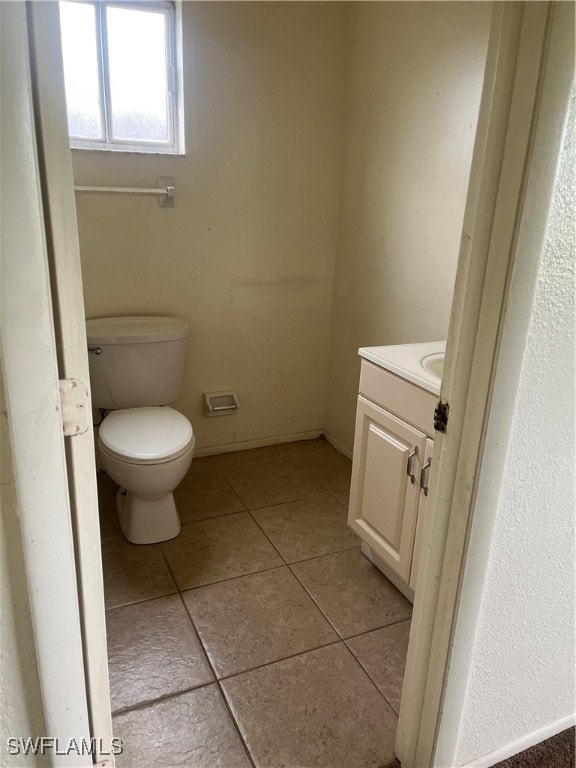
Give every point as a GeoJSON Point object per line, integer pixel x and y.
{"type": "Point", "coordinates": [416, 74]}
{"type": "Point", "coordinates": [21, 713]}
{"type": "Point", "coordinates": [271, 192]}
{"type": "Point", "coordinates": [247, 254]}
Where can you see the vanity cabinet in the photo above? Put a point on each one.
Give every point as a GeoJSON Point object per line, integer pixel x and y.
{"type": "Point", "coordinates": [392, 456]}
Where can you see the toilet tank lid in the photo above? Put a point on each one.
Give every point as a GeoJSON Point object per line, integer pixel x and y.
{"type": "Point", "coordinates": [135, 330]}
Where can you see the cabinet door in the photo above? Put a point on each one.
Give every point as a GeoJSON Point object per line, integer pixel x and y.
{"type": "Point", "coordinates": [383, 497]}
{"type": "Point", "coordinates": [427, 463]}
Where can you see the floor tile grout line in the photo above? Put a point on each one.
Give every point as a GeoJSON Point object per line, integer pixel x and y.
{"type": "Point", "coordinates": [329, 554]}
{"type": "Point", "coordinates": [245, 508]}
{"type": "Point", "coordinates": [350, 637]}
{"type": "Point", "coordinates": [268, 538]}
{"type": "Point", "coordinates": [216, 516]}
{"type": "Point", "coordinates": [333, 494]}
{"type": "Point", "coordinates": [235, 723]}
{"type": "Point", "coordinates": [365, 671]}
{"type": "Point", "coordinates": [312, 650]}
{"type": "Point", "coordinates": [375, 629]}
{"type": "Point", "coordinates": [234, 578]}
{"type": "Point", "coordinates": [219, 680]}
{"type": "Point", "coordinates": [166, 697]}
{"type": "Point", "coordinates": [316, 603]}
{"type": "Point", "coordinates": [277, 661]}
{"type": "Point", "coordinates": [339, 638]}
{"type": "Point", "coordinates": [143, 600]}
{"type": "Point", "coordinates": [230, 578]}
{"type": "Point", "coordinates": [171, 572]}
{"type": "Point", "coordinates": [306, 559]}
{"type": "Point", "coordinates": [288, 501]}
{"type": "Point", "coordinates": [324, 554]}
{"type": "Point", "coordinates": [229, 484]}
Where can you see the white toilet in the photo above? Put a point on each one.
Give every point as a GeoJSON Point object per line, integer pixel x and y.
{"type": "Point", "coordinates": [136, 366]}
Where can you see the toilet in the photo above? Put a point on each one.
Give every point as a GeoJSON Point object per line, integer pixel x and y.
{"type": "Point", "coordinates": [144, 445]}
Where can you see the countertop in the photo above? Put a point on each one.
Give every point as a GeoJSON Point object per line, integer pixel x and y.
{"type": "Point", "coordinates": [405, 360]}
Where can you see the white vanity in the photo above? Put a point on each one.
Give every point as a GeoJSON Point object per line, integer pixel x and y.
{"type": "Point", "coordinates": [393, 444]}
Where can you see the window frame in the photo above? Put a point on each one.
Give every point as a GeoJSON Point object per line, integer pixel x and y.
{"type": "Point", "coordinates": [175, 144]}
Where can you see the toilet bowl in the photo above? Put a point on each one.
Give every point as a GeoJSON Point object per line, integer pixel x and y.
{"type": "Point", "coordinates": [136, 370]}
{"type": "Point", "coordinates": [147, 451]}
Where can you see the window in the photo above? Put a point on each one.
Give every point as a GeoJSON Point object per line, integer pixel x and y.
{"type": "Point", "coordinates": [120, 74]}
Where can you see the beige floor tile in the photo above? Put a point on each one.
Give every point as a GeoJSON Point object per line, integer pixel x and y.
{"type": "Point", "coordinates": [352, 593]}
{"type": "Point", "coordinates": [256, 619]}
{"type": "Point", "coordinates": [221, 548]}
{"type": "Point", "coordinates": [331, 469]}
{"type": "Point", "coordinates": [344, 498]}
{"type": "Point", "coordinates": [133, 572]}
{"type": "Point", "coordinates": [109, 522]}
{"type": "Point", "coordinates": [307, 528]}
{"type": "Point", "coordinates": [316, 709]}
{"type": "Point", "coordinates": [274, 482]}
{"type": "Point", "coordinates": [153, 651]}
{"type": "Point", "coordinates": [382, 653]}
{"type": "Point", "coordinates": [236, 459]}
{"type": "Point", "coordinates": [204, 495]}
{"type": "Point", "coordinates": [335, 473]}
{"type": "Point", "coordinates": [305, 448]}
{"type": "Point", "coordinates": [192, 730]}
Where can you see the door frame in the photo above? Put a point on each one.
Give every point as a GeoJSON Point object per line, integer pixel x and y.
{"type": "Point", "coordinates": [30, 375]}
{"type": "Point", "coordinates": [507, 207]}
{"type": "Point", "coordinates": [44, 354]}
{"type": "Point", "coordinates": [63, 249]}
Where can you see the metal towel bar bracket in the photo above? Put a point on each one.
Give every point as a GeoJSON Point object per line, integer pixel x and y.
{"type": "Point", "coordinates": [165, 191]}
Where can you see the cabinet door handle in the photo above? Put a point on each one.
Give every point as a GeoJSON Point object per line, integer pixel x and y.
{"type": "Point", "coordinates": [411, 456]}
{"type": "Point", "coordinates": [424, 473]}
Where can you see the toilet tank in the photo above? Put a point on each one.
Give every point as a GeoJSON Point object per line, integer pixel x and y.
{"type": "Point", "coordinates": [135, 361]}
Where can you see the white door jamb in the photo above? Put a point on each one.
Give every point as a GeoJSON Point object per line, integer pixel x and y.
{"type": "Point", "coordinates": [495, 195]}
{"type": "Point", "coordinates": [57, 182]}
{"type": "Point", "coordinates": [33, 406]}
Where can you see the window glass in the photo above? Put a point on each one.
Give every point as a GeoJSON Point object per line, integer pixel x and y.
{"type": "Point", "coordinates": [138, 74]}
{"type": "Point", "coordinates": [81, 76]}
{"type": "Point", "coordinates": [123, 88]}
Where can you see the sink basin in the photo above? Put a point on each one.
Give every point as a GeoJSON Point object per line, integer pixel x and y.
{"type": "Point", "coordinates": [421, 363]}
{"type": "Point", "coordinates": [433, 364]}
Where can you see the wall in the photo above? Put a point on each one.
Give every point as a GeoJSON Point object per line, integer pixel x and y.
{"type": "Point", "coordinates": [521, 685]}
{"type": "Point", "coordinates": [21, 713]}
{"type": "Point", "coordinates": [247, 254]}
{"type": "Point", "coordinates": [416, 76]}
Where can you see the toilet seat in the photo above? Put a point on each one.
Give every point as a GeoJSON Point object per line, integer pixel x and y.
{"type": "Point", "coordinates": [146, 435]}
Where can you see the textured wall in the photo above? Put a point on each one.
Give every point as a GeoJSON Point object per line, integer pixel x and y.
{"type": "Point", "coordinates": [522, 675]}
{"type": "Point", "coordinates": [416, 76]}
{"type": "Point", "coordinates": [247, 254]}
{"type": "Point", "coordinates": [20, 703]}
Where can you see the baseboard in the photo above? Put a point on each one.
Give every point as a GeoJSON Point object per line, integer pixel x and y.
{"type": "Point", "coordinates": [530, 740]}
{"type": "Point", "coordinates": [338, 445]}
{"type": "Point", "coordinates": [247, 445]}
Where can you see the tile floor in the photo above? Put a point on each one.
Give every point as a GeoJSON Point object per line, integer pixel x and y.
{"type": "Point", "coordinates": [261, 636]}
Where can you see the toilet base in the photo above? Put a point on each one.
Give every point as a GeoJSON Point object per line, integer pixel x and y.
{"type": "Point", "coordinates": [147, 521]}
